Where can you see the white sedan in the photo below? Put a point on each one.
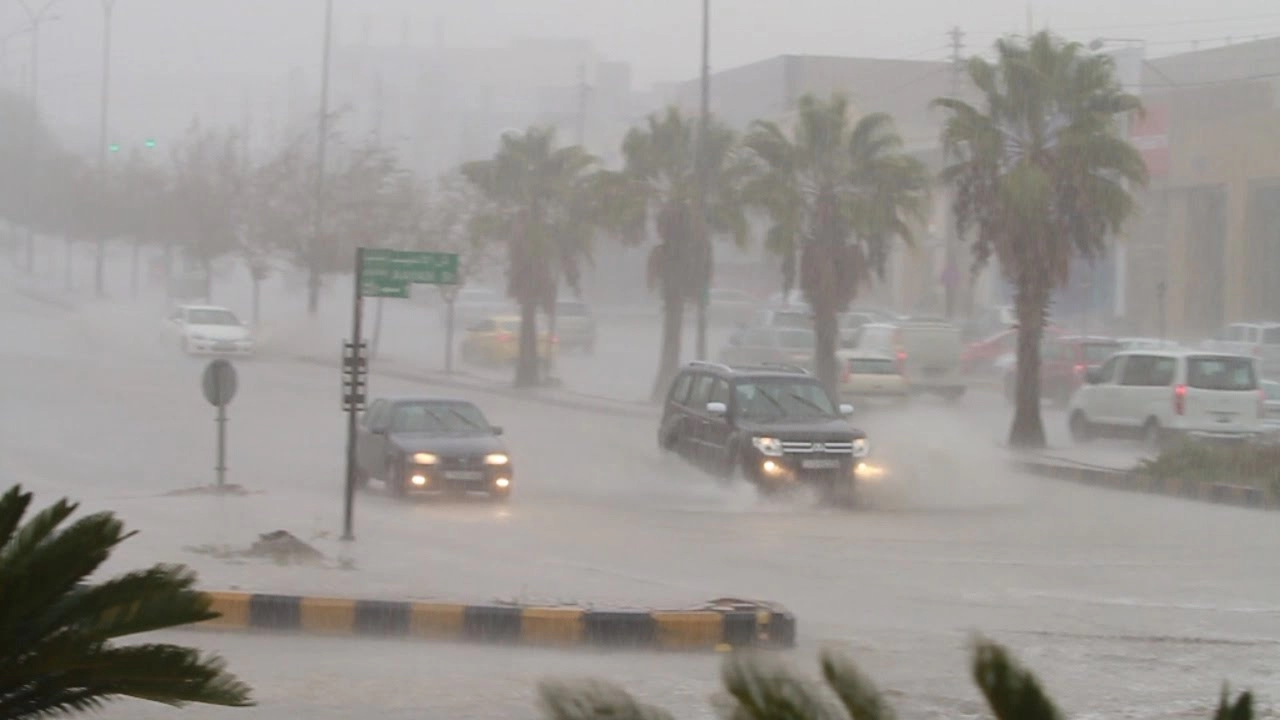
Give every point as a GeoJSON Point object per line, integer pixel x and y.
{"type": "Point", "coordinates": [210, 330]}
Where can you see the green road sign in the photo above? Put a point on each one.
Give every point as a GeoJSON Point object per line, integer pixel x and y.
{"type": "Point", "coordinates": [389, 273]}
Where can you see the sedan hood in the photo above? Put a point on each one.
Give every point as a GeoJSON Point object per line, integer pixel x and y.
{"type": "Point", "coordinates": [815, 429]}
{"type": "Point", "coordinates": [219, 332]}
{"type": "Point", "coordinates": [450, 444]}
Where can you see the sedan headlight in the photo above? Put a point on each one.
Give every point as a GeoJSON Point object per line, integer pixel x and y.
{"type": "Point", "coordinates": [861, 447]}
{"type": "Point", "coordinates": [425, 458]}
{"type": "Point", "coordinates": [496, 459]}
{"type": "Point", "coordinates": [772, 447]}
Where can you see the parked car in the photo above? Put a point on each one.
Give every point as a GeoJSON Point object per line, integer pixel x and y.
{"type": "Point", "coordinates": [764, 344]}
{"type": "Point", "coordinates": [496, 341]}
{"type": "Point", "coordinates": [575, 326]}
{"type": "Point", "coordinates": [1064, 362]}
{"type": "Point", "coordinates": [432, 445]}
{"type": "Point", "coordinates": [1160, 395]}
{"type": "Point", "coordinates": [1256, 339]}
{"type": "Point", "coordinates": [729, 307]}
{"type": "Point", "coordinates": [773, 427]}
{"type": "Point", "coordinates": [928, 352]}
{"type": "Point", "coordinates": [994, 352]}
{"type": "Point", "coordinates": [866, 375]}
{"type": "Point", "coordinates": [1146, 343]}
{"type": "Point", "coordinates": [209, 330]}
{"type": "Point", "coordinates": [1271, 405]}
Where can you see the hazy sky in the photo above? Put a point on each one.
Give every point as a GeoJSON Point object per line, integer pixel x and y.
{"type": "Point", "coordinates": [203, 38]}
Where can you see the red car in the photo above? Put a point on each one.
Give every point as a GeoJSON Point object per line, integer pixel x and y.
{"type": "Point", "coordinates": [1064, 361]}
{"type": "Point", "coordinates": [981, 356]}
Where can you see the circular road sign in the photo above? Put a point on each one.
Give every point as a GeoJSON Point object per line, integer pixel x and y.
{"type": "Point", "coordinates": [219, 382]}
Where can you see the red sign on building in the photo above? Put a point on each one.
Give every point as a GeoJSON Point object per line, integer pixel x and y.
{"type": "Point", "coordinates": [1149, 133]}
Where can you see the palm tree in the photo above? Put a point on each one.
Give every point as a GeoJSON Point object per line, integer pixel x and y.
{"type": "Point", "coordinates": [540, 199]}
{"type": "Point", "coordinates": [837, 194]}
{"type": "Point", "coordinates": [659, 180]}
{"type": "Point", "coordinates": [58, 656]}
{"type": "Point", "coordinates": [1041, 176]}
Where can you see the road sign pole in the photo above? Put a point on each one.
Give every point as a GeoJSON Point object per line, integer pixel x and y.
{"type": "Point", "coordinates": [357, 309]}
{"type": "Point", "coordinates": [221, 467]}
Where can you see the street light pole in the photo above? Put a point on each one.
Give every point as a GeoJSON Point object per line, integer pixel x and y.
{"type": "Point", "coordinates": [322, 141]}
{"type": "Point", "coordinates": [99, 284]}
{"type": "Point", "coordinates": [700, 184]}
{"type": "Point", "coordinates": [36, 16]}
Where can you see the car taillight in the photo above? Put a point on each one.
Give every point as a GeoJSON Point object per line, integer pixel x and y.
{"type": "Point", "coordinates": [1180, 400]}
{"type": "Point", "coordinates": [902, 361]}
{"type": "Point", "coordinates": [1079, 370]}
{"type": "Point", "coordinates": [555, 339]}
{"type": "Point", "coordinates": [846, 372]}
{"type": "Point", "coordinates": [505, 337]}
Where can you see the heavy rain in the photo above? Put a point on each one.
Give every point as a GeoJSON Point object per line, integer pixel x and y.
{"type": "Point", "coordinates": [918, 329]}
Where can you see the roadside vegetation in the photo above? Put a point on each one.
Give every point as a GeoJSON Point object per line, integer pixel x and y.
{"type": "Point", "coordinates": [60, 628]}
{"type": "Point", "coordinates": [758, 687]}
{"type": "Point", "coordinates": [1038, 172]}
{"type": "Point", "coordinates": [1254, 465]}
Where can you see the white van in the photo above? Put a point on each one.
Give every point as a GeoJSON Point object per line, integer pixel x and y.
{"type": "Point", "coordinates": [928, 352]}
{"type": "Point", "coordinates": [1162, 394]}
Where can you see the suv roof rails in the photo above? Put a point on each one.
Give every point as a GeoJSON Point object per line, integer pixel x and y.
{"type": "Point", "coordinates": [708, 363]}
{"type": "Point", "coordinates": [785, 367]}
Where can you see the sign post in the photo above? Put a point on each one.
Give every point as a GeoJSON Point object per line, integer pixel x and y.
{"type": "Point", "coordinates": [450, 294]}
{"type": "Point", "coordinates": [219, 385]}
{"type": "Point", "coordinates": [378, 274]}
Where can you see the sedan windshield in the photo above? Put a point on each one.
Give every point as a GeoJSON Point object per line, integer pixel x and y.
{"type": "Point", "coordinates": [783, 398]}
{"type": "Point", "coordinates": [212, 317]}
{"type": "Point", "coordinates": [439, 417]}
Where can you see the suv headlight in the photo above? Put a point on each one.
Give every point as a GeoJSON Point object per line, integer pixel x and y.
{"type": "Point", "coordinates": [424, 458]}
{"type": "Point", "coordinates": [496, 459]}
{"type": "Point", "coordinates": [861, 447]}
{"type": "Point", "coordinates": [771, 447]}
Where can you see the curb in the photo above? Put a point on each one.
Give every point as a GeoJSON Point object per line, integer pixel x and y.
{"type": "Point", "coordinates": [1127, 480]}
{"type": "Point", "coordinates": [720, 626]}
{"type": "Point", "coordinates": [606, 406]}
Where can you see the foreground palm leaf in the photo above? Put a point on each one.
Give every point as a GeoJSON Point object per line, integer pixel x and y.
{"type": "Point", "coordinates": [57, 629]}
{"type": "Point", "coordinates": [837, 193]}
{"type": "Point", "coordinates": [1041, 176]}
{"type": "Point", "coordinates": [758, 687]}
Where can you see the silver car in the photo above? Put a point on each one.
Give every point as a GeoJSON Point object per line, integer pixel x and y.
{"type": "Point", "coordinates": [1271, 406]}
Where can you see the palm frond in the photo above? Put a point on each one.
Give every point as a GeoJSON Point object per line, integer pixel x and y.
{"type": "Point", "coordinates": [593, 700]}
{"type": "Point", "coordinates": [1011, 692]}
{"type": "Point", "coordinates": [858, 694]}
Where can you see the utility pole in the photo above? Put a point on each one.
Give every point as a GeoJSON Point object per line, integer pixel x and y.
{"type": "Point", "coordinates": [701, 236]}
{"type": "Point", "coordinates": [322, 142]}
{"type": "Point", "coordinates": [583, 91]}
{"type": "Point", "coordinates": [951, 274]}
{"type": "Point", "coordinates": [99, 282]}
{"type": "Point", "coordinates": [37, 17]}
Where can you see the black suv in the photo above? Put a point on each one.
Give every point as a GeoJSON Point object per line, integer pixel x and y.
{"type": "Point", "coordinates": [775, 425]}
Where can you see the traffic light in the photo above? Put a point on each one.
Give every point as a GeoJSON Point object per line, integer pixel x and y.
{"type": "Point", "coordinates": [113, 147]}
{"type": "Point", "coordinates": [149, 142]}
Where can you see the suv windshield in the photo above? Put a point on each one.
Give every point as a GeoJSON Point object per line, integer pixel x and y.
{"type": "Point", "coordinates": [439, 417]}
{"type": "Point", "coordinates": [212, 317]}
{"type": "Point", "coordinates": [796, 339]}
{"type": "Point", "coordinates": [1209, 372]}
{"type": "Point", "coordinates": [783, 397]}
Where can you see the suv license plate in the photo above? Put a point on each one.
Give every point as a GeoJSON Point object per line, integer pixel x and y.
{"type": "Point", "coordinates": [819, 464]}
{"type": "Point", "coordinates": [463, 475]}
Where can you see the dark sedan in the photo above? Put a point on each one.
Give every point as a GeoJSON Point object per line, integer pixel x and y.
{"type": "Point", "coordinates": [432, 445]}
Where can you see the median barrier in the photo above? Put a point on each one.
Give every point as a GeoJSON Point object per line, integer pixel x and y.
{"type": "Point", "coordinates": [1133, 481]}
{"type": "Point", "coordinates": [719, 625]}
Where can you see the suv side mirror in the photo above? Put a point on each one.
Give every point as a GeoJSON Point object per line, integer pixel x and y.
{"type": "Point", "coordinates": [846, 409]}
{"type": "Point", "coordinates": [718, 409]}
{"type": "Point", "coordinates": [380, 428]}
{"type": "Point", "coordinates": [1093, 376]}
{"type": "Point", "coordinates": [497, 429]}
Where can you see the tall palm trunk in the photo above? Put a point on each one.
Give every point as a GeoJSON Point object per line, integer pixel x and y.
{"type": "Point", "coordinates": [826, 330]}
{"type": "Point", "coordinates": [672, 334]}
{"type": "Point", "coordinates": [1032, 304]}
{"type": "Point", "coordinates": [257, 299]}
{"type": "Point", "coordinates": [527, 359]}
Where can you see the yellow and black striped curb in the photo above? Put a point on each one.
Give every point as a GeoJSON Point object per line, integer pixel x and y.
{"type": "Point", "coordinates": [1220, 493]}
{"type": "Point", "coordinates": [720, 625]}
